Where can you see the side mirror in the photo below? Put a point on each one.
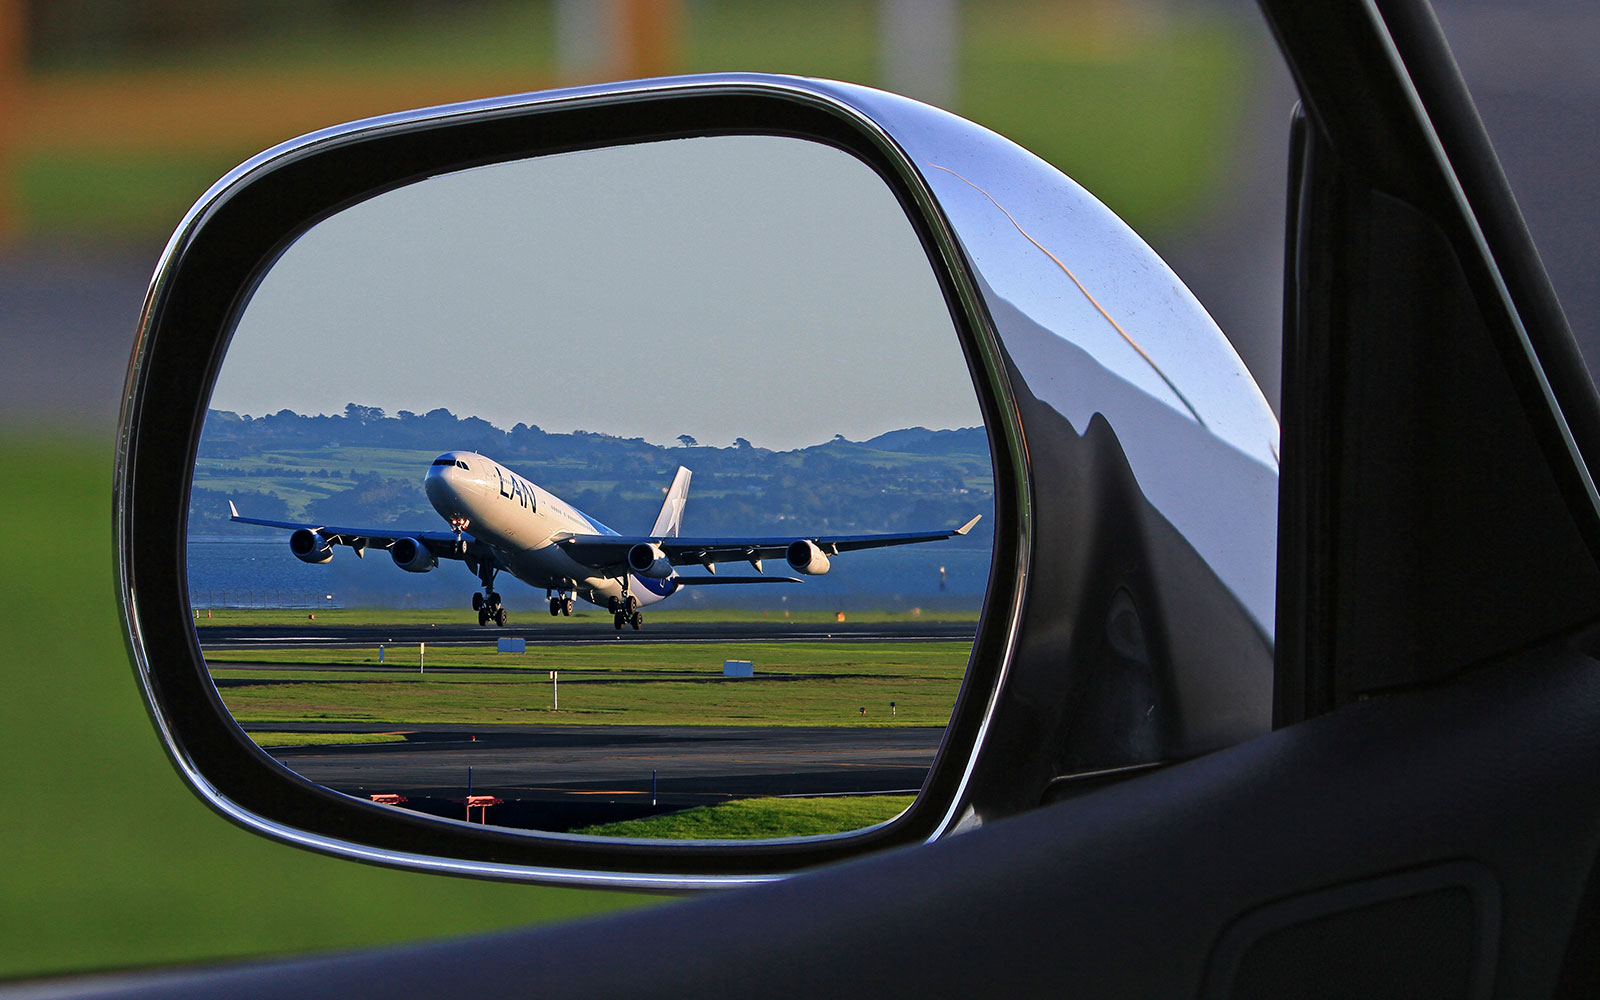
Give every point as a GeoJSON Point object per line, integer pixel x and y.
{"type": "Point", "coordinates": [811, 249]}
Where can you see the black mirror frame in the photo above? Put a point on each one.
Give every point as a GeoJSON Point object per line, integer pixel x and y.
{"type": "Point", "coordinates": [207, 272]}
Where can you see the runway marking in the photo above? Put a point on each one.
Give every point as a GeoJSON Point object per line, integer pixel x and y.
{"type": "Point", "coordinates": [604, 791]}
{"type": "Point", "coordinates": [829, 763]}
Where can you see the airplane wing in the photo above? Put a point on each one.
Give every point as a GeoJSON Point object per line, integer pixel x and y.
{"type": "Point", "coordinates": [609, 553]}
{"type": "Point", "coordinates": [441, 543]}
{"type": "Point", "coordinates": [706, 581]}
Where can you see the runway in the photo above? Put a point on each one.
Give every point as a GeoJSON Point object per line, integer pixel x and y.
{"type": "Point", "coordinates": [561, 777]}
{"type": "Point", "coordinates": [560, 632]}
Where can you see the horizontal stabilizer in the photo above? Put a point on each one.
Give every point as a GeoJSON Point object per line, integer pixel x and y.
{"type": "Point", "coordinates": [704, 581]}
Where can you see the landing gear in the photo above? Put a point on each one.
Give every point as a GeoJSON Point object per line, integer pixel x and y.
{"type": "Point", "coordinates": [458, 525]}
{"type": "Point", "coordinates": [625, 609]}
{"type": "Point", "coordinates": [490, 610]}
{"type": "Point", "coordinates": [627, 605]}
{"type": "Point", "coordinates": [560, 604]}
{"type": "Point", "coordinates": [626, 612]}
{"type": "Point", "coordinates": [487, 604]}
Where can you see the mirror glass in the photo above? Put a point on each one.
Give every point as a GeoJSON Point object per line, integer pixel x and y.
{"type": "Point", "coordinates": [626, 492]}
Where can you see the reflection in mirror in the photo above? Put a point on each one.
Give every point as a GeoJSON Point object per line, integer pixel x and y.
{"type": "Point", "coordinates": [627, 492]}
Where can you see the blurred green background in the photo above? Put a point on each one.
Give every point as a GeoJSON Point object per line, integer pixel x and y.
{"type": "Point", "coordinates": [130, 114]}
{"type": "Point", "coordinates": [116, 114]}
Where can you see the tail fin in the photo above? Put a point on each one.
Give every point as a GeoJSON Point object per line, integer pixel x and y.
{"type": "Point", "coordinates": [671, 516]}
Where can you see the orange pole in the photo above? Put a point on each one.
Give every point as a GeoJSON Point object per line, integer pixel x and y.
{"type": "Point", "coordinates": [12, 73]}
{"type": "Point", "coordinates": [651, 34]}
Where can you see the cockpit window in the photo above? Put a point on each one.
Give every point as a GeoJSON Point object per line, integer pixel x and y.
{"type": "Point", "coordinates": [461, 465]}
{"type": "Point", "coordinates": [447, 461]}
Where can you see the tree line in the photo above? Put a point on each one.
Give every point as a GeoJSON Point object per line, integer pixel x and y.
{"type": "Point", "coordinates": [907, 479]}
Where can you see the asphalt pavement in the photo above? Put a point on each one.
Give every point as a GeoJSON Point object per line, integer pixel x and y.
{"type": "Point", "coordinates": [566, 633]}
{"type": "Point", "coordinates": [555, 777]}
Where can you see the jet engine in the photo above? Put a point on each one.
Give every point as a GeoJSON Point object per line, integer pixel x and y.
{"type": "Point", "coordinates": [647, 559]}
{"type": "Point", "coordinates": [309, 546]}
{"type": "Point", "coordinates": [412, 556]}
{"type": "Point", "coordinates": [805, 557]}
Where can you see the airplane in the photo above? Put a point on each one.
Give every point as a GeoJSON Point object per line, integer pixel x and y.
{"type": "Point", "coordinates": [543, 541]}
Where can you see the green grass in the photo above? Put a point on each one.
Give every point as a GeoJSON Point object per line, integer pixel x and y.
{"type": "Point", "coordinates": [796, 684]}
{"type": "Point", "coordinates": [266, 739]}
{"type": "Point", "coordinates": [112, 195]}
{"type": "Point", "coordinates": [291, 465]}
{"type": "Point", "coordinates": [748, 819]}
{"type": "Point", "coordinates": [109, 860]}
{"type": "Point", "coordinates": [1140, 115]}
{"type": "Point", "coordinates": [1138, 111]}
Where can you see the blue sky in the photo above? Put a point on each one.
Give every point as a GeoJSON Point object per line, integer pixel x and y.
{"type": "Point", "coordinates": [738, 286]}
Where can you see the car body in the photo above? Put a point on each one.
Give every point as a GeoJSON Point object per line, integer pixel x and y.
{"type": "Point", "coordinates": [1422, 819]}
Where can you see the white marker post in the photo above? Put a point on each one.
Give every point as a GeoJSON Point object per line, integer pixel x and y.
{"type": "Point", "coordinates": [422, 652]}
{"type": "Point", "coordinates": [555, 691]}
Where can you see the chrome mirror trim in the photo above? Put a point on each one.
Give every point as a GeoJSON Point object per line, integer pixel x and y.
{"type": "Point", "coordinates": [1070, 320]}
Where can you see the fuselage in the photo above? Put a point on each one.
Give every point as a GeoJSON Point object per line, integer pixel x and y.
{"type": "Point", "coordinates": [522, 523]}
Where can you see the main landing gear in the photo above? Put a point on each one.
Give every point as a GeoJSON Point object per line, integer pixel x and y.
{"type": "Point", "coordinates": [487, 604]}
{"type": "Point", "coordinates": [625, 611]}
{"type": "Point", "coordinates": [561, 604]}
{"type": "Point", "coordinates": [489, 608]}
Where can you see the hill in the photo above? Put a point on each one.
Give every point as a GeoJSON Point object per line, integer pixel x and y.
{"type": "Point", "coordinates": [366, 467]}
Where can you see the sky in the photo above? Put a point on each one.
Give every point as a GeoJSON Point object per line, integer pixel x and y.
{"type": "Point", "coordinates": [761, 287]}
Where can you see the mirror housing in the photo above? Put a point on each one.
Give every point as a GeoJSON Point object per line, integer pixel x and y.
{"type": "Point", "coordinates": [1129, 613]}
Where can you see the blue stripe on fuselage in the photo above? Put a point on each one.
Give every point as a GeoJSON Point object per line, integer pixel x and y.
{"type": "Point", "coordinates": [660, 588]}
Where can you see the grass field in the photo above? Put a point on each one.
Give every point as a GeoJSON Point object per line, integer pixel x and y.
{"type": "Point", "coordinates": [796, 684]}
{"type": "Point", "coordinates": [749, 819]}
{"type": "Point", "coordinates": [109, 860]}
{"type": "Point", "coordinates": [268, 739]}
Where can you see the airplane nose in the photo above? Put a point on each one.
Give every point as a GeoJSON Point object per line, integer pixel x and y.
{"type": "Point", "coordinates": [449, 486]}
{"type": "Point", "coordinates": [442, 484]}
